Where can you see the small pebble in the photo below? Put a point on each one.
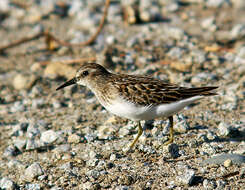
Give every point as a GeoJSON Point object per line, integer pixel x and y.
{"type": "Point", "coordinates": [228, 163]}
{"type": "Point", "coordinates": [220, 159]}
{"type": "Point", "coordinates": [6, 183]}
{"type": "Point", "coordinates": [74, 138]}
{"type": "Point", "coordinates": [32, 172]}
{"type": "Point", "coordinates": [174, 150]}
{"type": "Point", "coordinates": [49, 136]}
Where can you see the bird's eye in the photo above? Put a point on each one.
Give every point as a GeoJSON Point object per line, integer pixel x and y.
{"type": "Point", "coordinates": [85, 73]}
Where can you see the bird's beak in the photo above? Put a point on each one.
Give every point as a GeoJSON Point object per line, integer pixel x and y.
{"type": "Point", "coordinates": [67, 83]}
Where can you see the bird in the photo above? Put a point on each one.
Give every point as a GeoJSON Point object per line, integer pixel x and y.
{"type": "Point", "coordinates": [137, 97]}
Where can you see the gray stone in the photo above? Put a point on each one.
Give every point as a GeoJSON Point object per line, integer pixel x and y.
{"type": "Point", "coordinates": [73, 138]}
{"type": "Point", "coordinates": [16, 164]}
{"type": "Point", "coordinates": [198, 56]}
{"type": "Point", "coordinates": [92, 162]}
{"type": "Point", "coordinates": [63, 148]}
{"type": "Point", "coordinates": [34, 130]}
{"type": "Point", "coordinates": [217, 3]}
{"type": "Point", "coordinates": [20, 143]}
{"type": "Point", "coordinates": [175, 33]}
{"type": "Point", "coordinates": [110, 39]}
{"type": "Point", "coordinates": [18, 107]}
{"type": "Point", "coordinates": [32, 144]}
{"type": "Point", "coordinates": [208, 149]}
{"type": "Point", "coordinates": [32, 172]}
{"type": "Point", "coordinates": [209, 184]}
{"type": "Point", "coordinates": [75, 7]}
{"type": "Point", "coordinates": [174, 150]}
{"type": "Point", "coordinates": [238, 31]}
{"type": "Point", "coordinates": [32, 186]}
{"type": "Point", "coordinates": [10, 151]}
{"type": "Point", "coordinates": [209, 24]}
{"type": "Point", "coordinates": [203, 77]}
{"type": "Point", "coordinates": [241, 52]}
{"type": "Point", "coordinates": [176, 52]}
{"type": "Point", "coordinates": [66, 166]}
{"type": "Point", "coordinates": [223, 129]}
{"type": "Point", "coordinates": [187, 176]}
{"type": "Point", "coordinates": [220, 159]}
{"type": "Point", "coordinates": [91, 137]}
{"type": "Point", "coordinates": [181, 125]}
{"type": "Point", "coordinates": [6, 183]}
{"type": "Point", "coordinates": [49, 136]}
{"type": "Point", "coordinates": [93, 173]}
{"type": "Point", "coordinates": [38, 103]}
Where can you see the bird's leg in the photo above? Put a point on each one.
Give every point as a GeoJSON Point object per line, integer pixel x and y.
{"type": "Point", "coordinates": [140, 131]}
{"type": "Point", "coordinates": [171, 131]}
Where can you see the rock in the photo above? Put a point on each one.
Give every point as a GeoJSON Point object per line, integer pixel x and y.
{"type": "Point", "coordinates": [6, 183]}
{"type": "Point", "coordinates": [21, 81]}
{"type": "Point", "coordinates": [18, 107]}
{"type": "Point", "coordinates": [32, 186]}
{"type": "Point", "coordinates": [66, 166]}
{"type": "Point", "coordinates": [105, 131]}
{"type": "Point", "coordinates": [93, 173]}
{"type": "Point", "coordinates": [208, 149]}
{"type": "Point", "coordinates": [240, 149]}
{"type": "Point", "coordinates": [241, 52]}
{"type": "Point", "coordinates": [32, 172]}
{"type": "Point", "coordinates": [176, 53]}
{"type": "Point", "coordinates": [11, 151]}
{"type": "Point", "coordinates": [220, 159]}
{"type": "Point", "coordinates": [203, 77]}
{"type": "Point", "coordinates": [56, 69]}
{"type": "Point", "coordinates": [37, 103]}
{"type": "Point", "coordinates": [217, 3]}
{"type": "Point", "coordinates": [228, 163]}
{"type": "Point", "coordinates": [20, 143]}
{"type": "Point", "coordinates": [223, 129]}
{"type": "Point", "coordinates": [110, 40]}
{"type": "Point", "coordinates": [209, 24]}
{"type": "Point", "coordinates": [175, 33]}
{"type": "Point", "coordinates": [16, 164]}
{"type": "Point", "coordinates": [227, 131]}
{"type": "Point", "coordinates": [174, 150]}
{"type": "Point", "coordinates": [237, 31]}
{"type": "Point", "coordinates": [49, 136]}
{"type": "Point", "coordinates": [209, 184]}
{"type": "Point", "coordinates": [90, 137]}
{"type": "Point", "coordinates": [74, 138]}
{"type": "Point", "coordinates": [19, 129]}
{"type": "Point", "coordinates": [187, 176]}
{"type": "Point", "coordinates": [62, 148]}
{"type": "Point", "coordinates": [5, 6]}
{"type": "Point", "coordinates": [181, 125]}
{"type": "Point", "coordinates": [32, 144]}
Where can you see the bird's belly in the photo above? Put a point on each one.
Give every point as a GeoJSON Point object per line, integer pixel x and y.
{"type": "Point", "coordinates": [136, 112]}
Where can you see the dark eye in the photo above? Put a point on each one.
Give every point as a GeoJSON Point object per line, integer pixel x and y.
{"type": "Point", "coordinates": [85, 73]}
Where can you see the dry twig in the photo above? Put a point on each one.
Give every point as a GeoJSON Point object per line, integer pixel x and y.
{"type": "Point", "coordinates": [50, 38]}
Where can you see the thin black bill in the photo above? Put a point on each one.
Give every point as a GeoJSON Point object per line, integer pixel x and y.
{"type": "Point", "coordinates": [67, 83]}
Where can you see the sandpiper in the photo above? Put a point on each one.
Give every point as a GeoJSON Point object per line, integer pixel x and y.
{"type": "Point", "coordinates": [137, 97]}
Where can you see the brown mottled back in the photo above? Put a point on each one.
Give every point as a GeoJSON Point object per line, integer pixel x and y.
{"type": "Point", "coordinates": [149, 91]}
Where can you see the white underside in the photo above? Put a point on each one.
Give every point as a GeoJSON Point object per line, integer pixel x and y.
{"type": "Point", "coordinates": [128, 110]}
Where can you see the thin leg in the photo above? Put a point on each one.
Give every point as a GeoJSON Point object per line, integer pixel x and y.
{"type": "Point", "coordinates": [171, 131]}
{"type": "Point", "coordinates": [140, 131]}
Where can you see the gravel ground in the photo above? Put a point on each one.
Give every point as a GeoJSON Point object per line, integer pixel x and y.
{"type": "Point", "coordinates": [67, 140]}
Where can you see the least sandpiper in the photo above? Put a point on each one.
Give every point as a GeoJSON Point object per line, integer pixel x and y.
{"type": "Point", "coordinates": [137, 97]}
